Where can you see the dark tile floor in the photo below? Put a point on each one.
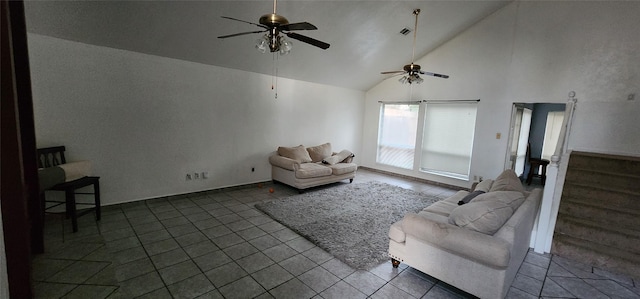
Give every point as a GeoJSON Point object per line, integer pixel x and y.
{"type": "Point", "coordinates": [217, 245]}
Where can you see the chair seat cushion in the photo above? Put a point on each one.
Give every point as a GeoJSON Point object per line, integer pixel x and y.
{"type": "Point", "coordinates": [76, 170]}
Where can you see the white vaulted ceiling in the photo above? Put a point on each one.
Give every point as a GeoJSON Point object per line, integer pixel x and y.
{"type": "Point", "coordinates": [364, 35]}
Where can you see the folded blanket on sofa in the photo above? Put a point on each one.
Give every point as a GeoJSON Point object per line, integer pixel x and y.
{"type": "Point", "coordinates": [337, 158]}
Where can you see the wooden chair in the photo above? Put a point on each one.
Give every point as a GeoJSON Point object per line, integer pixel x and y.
{"type": "Point", "coordinates": [536, 163]}
{"type": "Point", "coordinates": [54, 156]}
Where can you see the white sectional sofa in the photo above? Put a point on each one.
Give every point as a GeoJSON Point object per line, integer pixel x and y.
{"type": "Point", "coordinates": [304, 168]}
{"type": "Point", "coordinates": [476, 247]}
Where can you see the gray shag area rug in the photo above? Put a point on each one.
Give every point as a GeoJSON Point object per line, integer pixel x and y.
{"type": "Point", "coordinates": [350, 222]}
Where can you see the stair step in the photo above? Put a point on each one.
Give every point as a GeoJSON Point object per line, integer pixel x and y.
{"type": "Point", "coordinates": [601, 212]}
{"type": "Point", "coordinates": [619, 164]}
{"type": "Point", "coordinates": [605, 257]}
{"type": "Point", "coordinates": [600, 233]}
{"type": "Point", "coordinates": [596, 193]}
{"type": "Point", "coordinates": [611, 179]}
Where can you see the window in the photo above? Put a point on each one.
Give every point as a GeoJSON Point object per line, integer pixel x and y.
{"type": "Point", "coordinates": [448, 138]}
{"type": "Point", "coordinates": [397, 134]}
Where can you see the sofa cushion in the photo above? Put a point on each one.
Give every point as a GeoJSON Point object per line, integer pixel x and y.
{"type": "Point", "coordinates": [484, 185]}
{"type": "Point", "coordinates": [342, 168]}
{"type": "Point", "coordinates": [442, 207]}
{"type": "Point", "coordinates": [512, 199]}
{"type": "Point", "coordinates": [486, 217]}
{"type": "Point", "coordinates": [507, 181]}
{"type": "Point", "coordinates": [319, 152]}
{"type": "Point", "coordinates": [312, 170]}
{"type": "Point", "coordinates": [337, 158]}
{"type": "Point", "coordinates": [298, 153]}
{"type": "Point", "coordinates": [445, 206]}
{"type": "Point", "coordinates": [470, 196]}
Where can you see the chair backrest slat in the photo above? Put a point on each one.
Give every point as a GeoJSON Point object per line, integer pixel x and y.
{"type": "Point", "coordinates": [51, 156]}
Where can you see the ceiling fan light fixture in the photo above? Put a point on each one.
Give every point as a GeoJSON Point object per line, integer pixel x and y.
{"type": "Point", "coordinates": [284, 45]}
{"type": "Point", "coordinates": [411, 78]}
{"type": "Point", "coordinates": [262, 44]}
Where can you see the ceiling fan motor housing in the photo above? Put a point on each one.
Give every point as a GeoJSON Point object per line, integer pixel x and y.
{"type": "Point", "coordinates": [273, 20]}
{"type": "Point", "coordinates": [412, 68]}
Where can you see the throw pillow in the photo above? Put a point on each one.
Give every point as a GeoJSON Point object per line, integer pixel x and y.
{"type": "Point", "coordinates": [298, 153]}
{"type": "Point", "coordinates": [484, 185]}
{"type": "Point", "coordinates": [318, 153]}
{"type": "Point", "coordinates": [469, 197]}
{"type": "Point", "coordinates": [507, 181]}
{"type": "Point", "coordinates": [337, 158]}
{"type": "Point", "coordinates": [485, 217]}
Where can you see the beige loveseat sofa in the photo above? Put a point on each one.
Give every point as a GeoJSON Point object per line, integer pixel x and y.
{"type": "Point", "coordinates": [303, 168]}
{"type": "Point", "coordinates": [476, 247]}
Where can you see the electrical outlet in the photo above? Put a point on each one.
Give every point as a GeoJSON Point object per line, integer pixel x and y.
{"type": "Point", "coordinates": [196, 176]}
{"type": "Point", "coordinates": [481, 178]}
{"type": "Point", "coordinates": [475, 178]}
{"type": "Point", "coordinates": [188, 178]}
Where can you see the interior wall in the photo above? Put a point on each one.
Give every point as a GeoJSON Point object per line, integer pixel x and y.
{"type": "Point", "coordinates": [146, 121]}
{"type": "Point", "coordinates": [533, 51]}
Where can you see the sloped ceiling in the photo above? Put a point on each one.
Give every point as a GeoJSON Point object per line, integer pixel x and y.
{"type": "Point", "coordinates": [364, 35]}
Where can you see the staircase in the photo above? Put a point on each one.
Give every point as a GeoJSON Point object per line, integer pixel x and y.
{"type": "Point", "coordinates": [599, 216]}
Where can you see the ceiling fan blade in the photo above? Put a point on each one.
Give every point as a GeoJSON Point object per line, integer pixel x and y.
{"type": "Point", "coordinates": [435, 75]}
{"type": "Point", "coordinates": [241, 33]}
{"type": "Point", "coordinates": [392, 72]}
{"type": "Point", "coordinates": [243, 21]}
{"type": "Point", "coordinates": [308, 40]}
{"type": "Point", "coordinates": [298, 26]}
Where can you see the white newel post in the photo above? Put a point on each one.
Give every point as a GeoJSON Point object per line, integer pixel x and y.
{"type": "Point", "coordinates": [554, 184]}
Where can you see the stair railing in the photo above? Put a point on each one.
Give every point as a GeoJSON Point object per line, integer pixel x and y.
{"type": "Point", "coordinates": [556, 172]}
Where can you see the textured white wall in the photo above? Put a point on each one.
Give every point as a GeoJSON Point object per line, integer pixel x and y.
{"type": "Point", "coordinates": [145, 121]}
{"type": "Point", "coordinates": [534, 51]}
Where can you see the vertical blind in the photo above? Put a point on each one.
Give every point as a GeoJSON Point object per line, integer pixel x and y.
{"type": "Point", "coordinates": [552, 133]}
{"type": "Point", "coordinates": [448, 138]}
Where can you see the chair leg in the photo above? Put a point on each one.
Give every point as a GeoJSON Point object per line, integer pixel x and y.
{"type": "Point", "coordinates": [71, 208]}
{"type": "Point", "coordinates": [96, 190]}
{"type": "Point", "coordinates": [530, 175]}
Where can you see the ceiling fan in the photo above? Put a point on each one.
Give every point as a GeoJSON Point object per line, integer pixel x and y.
{"type": "Point", "coordinates": [412, 71]}
{"type": "Point", "coordinates": [273, 25]}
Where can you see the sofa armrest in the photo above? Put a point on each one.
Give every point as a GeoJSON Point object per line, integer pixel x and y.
{"type": "Point", "coordinates": [282, 162]}
{"type": "Point", "coordinates": [479, 247]}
